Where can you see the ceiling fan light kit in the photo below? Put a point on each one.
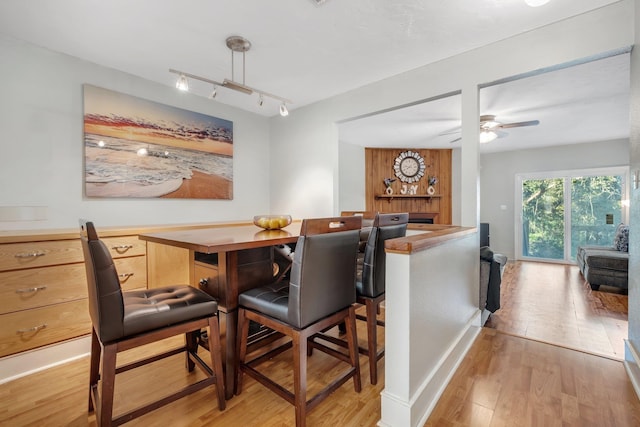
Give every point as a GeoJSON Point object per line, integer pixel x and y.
{"type": "Point", "coordinates": [487, 136]}
{"type": "Point", "coordinates": [536, 3]}
{"type": "Point", "coordinates": [490, 128]}
{"type": "Point", "coordinates": [235, 44]}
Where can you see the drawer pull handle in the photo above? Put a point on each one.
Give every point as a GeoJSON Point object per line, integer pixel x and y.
{"type": "Point", "coordinates": [125, 276]}
{"type": "Point", "coordinates": [30, 254]}
{"type": "Point", "coordinates": [29, 290]}
{"type": "Point", "coordinates": [121, 247]}
{"type": "Point", "coordinates": [34, 329]}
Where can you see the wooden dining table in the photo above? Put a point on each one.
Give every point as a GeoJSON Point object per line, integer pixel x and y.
{"type": "Point", "coordinates": [241, 257]}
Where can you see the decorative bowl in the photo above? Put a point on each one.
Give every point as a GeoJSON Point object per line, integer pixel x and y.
{"type": "Point", "coordinates": [272, 222]}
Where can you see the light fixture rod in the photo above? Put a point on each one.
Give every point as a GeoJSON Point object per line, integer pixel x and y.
{"type": "Point", "coordinates": [193, 76]}
{"type": "Point", "coordinates": [206, 80]}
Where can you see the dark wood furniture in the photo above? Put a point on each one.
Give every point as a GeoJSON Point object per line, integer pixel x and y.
{"type": "Point", "coordinates": [370, 283]}
{"type": "Point", "coordinates": [319, 294]}
{"type": "Point", "coordinates": [230, 259]}
{"type": "Point", "coordinates": [125, 320]}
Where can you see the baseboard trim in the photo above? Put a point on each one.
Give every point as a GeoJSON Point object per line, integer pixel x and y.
{"type": "Point", "coordinates": [421, 404]}
{"type": "Point", "coordinates": [32, 361]}
{"type": "Point", "coordinates": [632, 366]}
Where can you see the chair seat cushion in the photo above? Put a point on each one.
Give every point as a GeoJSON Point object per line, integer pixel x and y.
{"type": "Point", "coordinates": [272, 300]}
{"type": "Point", "coordinates": [149, 309]}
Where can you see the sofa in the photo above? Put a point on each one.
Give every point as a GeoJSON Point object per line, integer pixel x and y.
{"type": "Point", "coordinates": [606, 265]}
{"type": "Point", "coordinates": [491, 268]}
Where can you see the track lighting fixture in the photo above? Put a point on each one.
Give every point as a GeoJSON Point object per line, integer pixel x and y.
{"type": "Point", "coordinates": [235, 44]}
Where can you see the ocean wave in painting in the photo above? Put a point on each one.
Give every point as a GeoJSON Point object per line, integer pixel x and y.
{"type": "Point", "coordinates": [109, 159]}
{"type": "Point", "coordinates": [199, 130]}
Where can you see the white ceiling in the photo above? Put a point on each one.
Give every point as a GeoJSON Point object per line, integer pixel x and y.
{"type": "Point", "coordinates": [306, 53]}
{"type": "Point", "coordinates": [583, 103]}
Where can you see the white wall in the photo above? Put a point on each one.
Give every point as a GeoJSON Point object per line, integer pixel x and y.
{"type": "Point", "coordinates": [634, 221]}
{"type": "Point", "coordinates": [41, 117]}
{"type": "Point", "coordinates": [352, 180]}
{"type": "Point", "coordinates": [498, 171]}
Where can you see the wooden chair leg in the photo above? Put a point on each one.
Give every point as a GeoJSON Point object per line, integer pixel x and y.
{"type": "Point", "coordinates": [94, 368]}
{"type": "Point", "coordinates": [352, 339]}
{"type": "Point", "coordinates": [372, 339]}
{"type": "Point", "coordinates": [105, 407]}
{"type": "Point", "coordinates": [241, 351]}
{"type": "Point", "coordinates": [191, 342]}
{"type": "Point", "coordinates": [215, 349]}
{"type": "Point", "coordinates": [300, 378]}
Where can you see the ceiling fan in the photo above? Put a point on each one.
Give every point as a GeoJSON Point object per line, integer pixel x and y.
{"type": "Point", "coordinates": [491, 129]}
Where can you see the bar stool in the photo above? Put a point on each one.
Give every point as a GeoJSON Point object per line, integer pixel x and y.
{"type": "Point", "coordinates": [319, 294]}
{"type": "Point", "coordinates": [125, 320]}
{"type": "Point", "coordinates": [370, 284]}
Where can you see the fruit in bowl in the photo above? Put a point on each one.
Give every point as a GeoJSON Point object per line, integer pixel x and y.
{"type": "Point", "coordinates": [272, 222]}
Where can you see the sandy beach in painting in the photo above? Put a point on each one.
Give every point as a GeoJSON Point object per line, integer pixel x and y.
{"type": "Point", "coordinates": [139, 148]}
{"type": "Point", "coordinates": [201, 183]}
{"type": "Point", "coordinates": [123, 169]}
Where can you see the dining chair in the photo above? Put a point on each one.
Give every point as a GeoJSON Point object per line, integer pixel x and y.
{"type": "Point", "coordinates": [371, 284]}
{"type": "Point", "coordinates": [125, 320]}
{"type": "Point", "coordinates": [320, 293]}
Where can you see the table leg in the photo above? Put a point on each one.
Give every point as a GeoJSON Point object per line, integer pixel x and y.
{"type": "Point", "coordinates": [230, 356]}
{"type": "Point", "coordinates": [228, 275]}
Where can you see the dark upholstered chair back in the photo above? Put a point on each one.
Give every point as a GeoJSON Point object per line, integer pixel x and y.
{"type": "Point", "coordinates": [106, 305]}
{"type": "Point", "coordinates": [323, 274]}
{"type": "Point", "coordinates": [385, 226]}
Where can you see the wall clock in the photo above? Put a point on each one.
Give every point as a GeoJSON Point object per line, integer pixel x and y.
{"type": "Point", "coordinates": [409, 166]}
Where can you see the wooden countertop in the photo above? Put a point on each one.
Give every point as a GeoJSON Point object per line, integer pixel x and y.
{"type": "Point", "coordinates": [433, 235]}
{"type": "Point", "coordinates": [19, 236]}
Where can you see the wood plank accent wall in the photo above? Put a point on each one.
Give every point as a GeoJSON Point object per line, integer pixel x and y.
{"type": "Point", "coordinates": [379, 165]}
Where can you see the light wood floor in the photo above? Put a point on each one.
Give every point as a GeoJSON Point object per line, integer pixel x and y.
{"type": "Point", "coordinates": [553, 303]}
{"type": "Point", "coordinates": [505, 380]}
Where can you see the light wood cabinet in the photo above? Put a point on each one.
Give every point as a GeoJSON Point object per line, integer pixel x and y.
{"type": "Point", "coordinates": [43, 285]}
{"type": "Point", "coordinates": [43, 288]}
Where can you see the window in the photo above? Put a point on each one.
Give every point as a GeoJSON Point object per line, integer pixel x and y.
{"type": "Point", "coordinates": [560, 211]}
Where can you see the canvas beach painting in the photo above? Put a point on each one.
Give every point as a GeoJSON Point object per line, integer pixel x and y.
{"type": "Point", "coordinates": [139, 148]}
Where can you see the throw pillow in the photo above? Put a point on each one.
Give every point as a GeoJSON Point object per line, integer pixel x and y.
{"type": "Point", "coordinates": [621, 240]}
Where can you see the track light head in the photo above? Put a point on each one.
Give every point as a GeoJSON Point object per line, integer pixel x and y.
{"type": "Point", "coordinates": [283, 110]}
{"type": "Point", "coordinates": [182, 83]}
{"type": "Point", "coordinates": [214, 92]}
{"type": "Point", "coordinates": [260, 100]}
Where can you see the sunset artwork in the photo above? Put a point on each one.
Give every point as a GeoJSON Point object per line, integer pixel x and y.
{"type": "Point", "coordinates": [140, 148]}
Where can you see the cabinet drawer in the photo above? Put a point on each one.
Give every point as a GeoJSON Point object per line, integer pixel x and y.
{"type": "Point", "coordinates": [37, 287]}
{"type": "Point", "coordinates": [14, 256]}
{"type": "Point", "coordinates": [125, 246]}
{"type": "Point", "coordinates": [29, 329]}
{"type": "Point", "coordinates": [132, 272]}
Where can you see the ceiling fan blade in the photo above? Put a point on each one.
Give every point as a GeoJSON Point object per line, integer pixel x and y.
{"type": "Point", "coordinates": [519, 124]}
{"type": "Point", "coordinates": [451, 132]}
